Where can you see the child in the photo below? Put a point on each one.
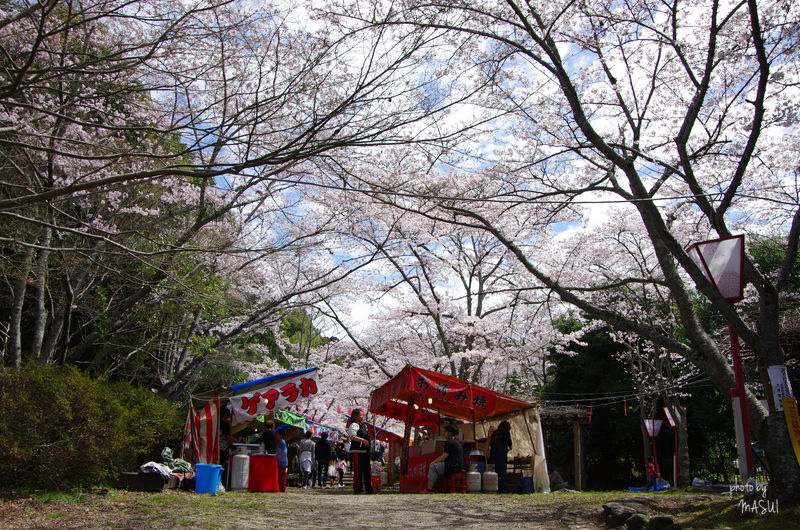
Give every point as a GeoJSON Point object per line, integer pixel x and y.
{"type": "Point", "coordinates": [341, 463]}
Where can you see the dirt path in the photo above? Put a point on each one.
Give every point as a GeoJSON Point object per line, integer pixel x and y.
{"type": "Point", "coordinates": [330, 508]}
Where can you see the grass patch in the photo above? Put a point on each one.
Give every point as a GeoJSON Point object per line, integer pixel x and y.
{"type": "Point", "coordinates": [58, 496]}
{"type": "Point", "coordinates": [730, 513]}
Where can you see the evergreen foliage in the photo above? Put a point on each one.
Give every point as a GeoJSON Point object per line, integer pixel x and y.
{"type": "Point", "coordinates": [62, 429]}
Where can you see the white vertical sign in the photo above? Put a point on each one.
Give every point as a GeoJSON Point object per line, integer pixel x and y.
{"type": "Point", "coordinates": [781, 387]}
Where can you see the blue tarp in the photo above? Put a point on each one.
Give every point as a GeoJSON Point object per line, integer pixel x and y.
{"type": "Point", "coordinates": [258, 382]}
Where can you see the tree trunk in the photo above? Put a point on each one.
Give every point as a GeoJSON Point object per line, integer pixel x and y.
{"type": "Point", "coordinates": [784, 471]}
{"type": "Point", "coordinates": [40, 288]}
{"type": "Point", "coordinates": [53, 333]}
{"type": "Point", "coordinates": [684, 478]}
{"type": "Point", "coordinates": [70, 297]}
{"type": "Point", "coordinates": [181, 362]}
{"type": "Point", "coordinates": [15, 321]}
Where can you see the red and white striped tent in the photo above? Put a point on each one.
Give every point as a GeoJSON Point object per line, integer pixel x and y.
{"type": "Point", "coordinates": [247, 401]}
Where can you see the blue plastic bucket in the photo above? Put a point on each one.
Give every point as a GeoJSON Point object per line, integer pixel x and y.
{"type": "Point", "coordinates": [525, 485]}
{"type": "Point", "coordinates": [208, 478]}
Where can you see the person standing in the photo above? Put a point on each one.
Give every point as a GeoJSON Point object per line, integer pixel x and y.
{"type": "Point", "coordinates": [359, 448]}
{"type": "Point", "coordinates": [652, 474]}
{"type": "Point", "coordinates": [268, 438]}
{"type": "Point", "coordinates": [348, 456]}
{"type": "Point", "coordinates": [305, 451]}
{"type": "Point", "coordinates": [341, 463]}
{"type": "Point", "coordinates": [499, 446]}
{"type": "Point", "coordinates": [282, 453]}
{"type": "Point", "coordinates": [322, 453]}
{"type": "Point", "coordinates": [377, 450]}
{"type": "Point", "coordinates": [226, 441]}
{"type": "Point", "coordinates": [451, 460]}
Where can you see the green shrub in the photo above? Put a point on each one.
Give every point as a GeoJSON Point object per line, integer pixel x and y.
{"type": "Point", "coordinates": [60, 429]}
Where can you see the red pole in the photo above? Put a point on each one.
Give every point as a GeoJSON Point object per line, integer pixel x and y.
{"type": "Point", "coordinates": [740, 393]}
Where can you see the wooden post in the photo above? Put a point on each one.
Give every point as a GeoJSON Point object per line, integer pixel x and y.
{"type": "Point", "coordinates": [392, 455]}
{"type": "Point", "coordinates": [406, 437]}
{"type": "Point", "coordinates": [474, 434]}
{"type": "Point", "coordinates": [577, 443]}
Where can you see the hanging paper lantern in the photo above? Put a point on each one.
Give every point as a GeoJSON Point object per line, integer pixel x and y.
{"type": "Point", "coordinates": [338, 409]}
{"type": "Point", "coordinates": [626, 407]}
{"type": "Point", "coordinates": [349, 411]}
{"type": "Point", "coordinates": [363, 410]}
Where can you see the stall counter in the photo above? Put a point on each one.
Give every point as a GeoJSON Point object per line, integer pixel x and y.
{"type": "Point", "coordinates": [417, 476]}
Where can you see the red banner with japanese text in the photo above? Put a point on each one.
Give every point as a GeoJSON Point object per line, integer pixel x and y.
{"type": "Point", "coordinates": [398, 411]}
{"type": "Point", "coordinates": [454, 391]}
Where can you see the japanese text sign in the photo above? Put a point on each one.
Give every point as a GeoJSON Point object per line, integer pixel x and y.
{"type": "Point", "coordinates": [279, 394]}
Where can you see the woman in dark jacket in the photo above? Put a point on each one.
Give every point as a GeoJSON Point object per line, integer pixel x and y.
{"type": "Point", "coordinates": [359, 447]}
{"type": "Point", "coordinates": [499, 446]}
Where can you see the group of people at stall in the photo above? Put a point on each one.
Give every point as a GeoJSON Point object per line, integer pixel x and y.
{"type": "Point", "coordinates": [451, 460]}
{"type": "Point", "coordinates": [320, 462]}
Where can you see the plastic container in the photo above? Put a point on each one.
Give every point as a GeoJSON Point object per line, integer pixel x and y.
{"type": "Point", "coordinates": [208, 479]}
{"type": "Point", "coordinates": [240, 472]}
{"type": "Point", "coordinates": [384, 478]}
{"type": "Point", "coordinates": [525, 485]}
{"type": "Point", "coordinates": [489, 482]}
{"type": "Point", "coordinates": [473, 481]}
{"type": "Point", "coordinates": [376, 482]}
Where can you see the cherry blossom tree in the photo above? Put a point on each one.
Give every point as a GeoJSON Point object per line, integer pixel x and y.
{"type": "Point", "coordinates": [448, 300]}
{"type": "Point", "coordinates": [682, 111]}
{"type": "Point", "coordinates": [149, 146]}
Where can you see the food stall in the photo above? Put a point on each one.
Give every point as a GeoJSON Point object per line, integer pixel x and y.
{"type": "Point", "coordinates": [421, 398]}
{"type": "Point", "coordinates": [248, 402]}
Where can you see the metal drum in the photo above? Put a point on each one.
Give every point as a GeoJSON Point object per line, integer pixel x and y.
{"type": "Point", "coordinates": [489, 481]}
{"type": "Point", "coordinates": [240, 472]}
{"type": "Point", "coordinates": [473, 481]}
